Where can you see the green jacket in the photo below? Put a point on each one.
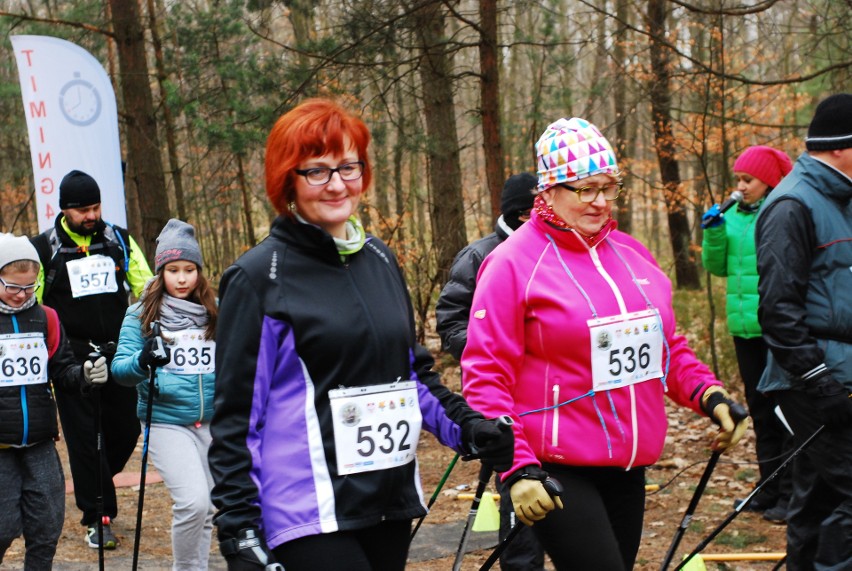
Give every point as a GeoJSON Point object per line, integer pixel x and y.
{"type": "Point", "coordinates": [728, 251]}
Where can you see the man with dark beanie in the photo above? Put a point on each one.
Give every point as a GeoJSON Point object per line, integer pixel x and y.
{"type": "Point", "coordinates": [453, 307]}
{"type": "Point", "coordinates": [804, 258]}
{"type": "Point", "coordinates": [453, 313]}
{"type": "Point", "coordinates": [89, 268]}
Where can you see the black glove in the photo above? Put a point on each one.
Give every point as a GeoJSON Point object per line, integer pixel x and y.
{"type": "Point", "coordinates": [491, 441]}
{"type": "Point", "coordinates": [831, 400]}
{"type": "Point", "coordinates": [154, 353]}
{"type": "Point", "coordinates": [248, 552]}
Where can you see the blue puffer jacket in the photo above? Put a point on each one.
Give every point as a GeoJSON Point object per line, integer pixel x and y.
{"type": "Point", "coordinates": [179, 399]}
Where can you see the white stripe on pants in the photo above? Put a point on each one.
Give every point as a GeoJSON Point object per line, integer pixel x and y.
{"type": "Point", "coordinates": [180, 455]}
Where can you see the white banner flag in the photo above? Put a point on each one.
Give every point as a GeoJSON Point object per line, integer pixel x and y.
{"type": "Point", "coordinates": [72, 122]}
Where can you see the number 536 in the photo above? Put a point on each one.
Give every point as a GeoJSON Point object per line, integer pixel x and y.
{"type": "Point", "coordinates": [628, 358]}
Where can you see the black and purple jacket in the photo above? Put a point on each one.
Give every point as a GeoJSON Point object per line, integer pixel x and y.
{"type": "Point", "coordinates": [295, 321]}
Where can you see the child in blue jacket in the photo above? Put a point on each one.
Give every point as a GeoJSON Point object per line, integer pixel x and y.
{"type": "Point", "coordinates": [181, 299]}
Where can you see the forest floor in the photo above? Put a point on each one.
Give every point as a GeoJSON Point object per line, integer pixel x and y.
{"type": "Point", "coordinates": [677, 472]}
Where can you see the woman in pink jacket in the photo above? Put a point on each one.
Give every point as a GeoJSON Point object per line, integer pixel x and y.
{"type": "Point", "coordinates": [572, 334]}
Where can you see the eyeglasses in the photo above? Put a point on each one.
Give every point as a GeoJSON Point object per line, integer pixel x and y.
{"type": "Point", "coordinates": [15, 289]}
{"type": "Point", "coordinates": [588, 194]}
{"type": "Point", "coordinates": [322, 175]}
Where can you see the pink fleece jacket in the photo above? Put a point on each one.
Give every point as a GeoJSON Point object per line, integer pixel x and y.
{"type": "Point", "coordinates": [528, 347]}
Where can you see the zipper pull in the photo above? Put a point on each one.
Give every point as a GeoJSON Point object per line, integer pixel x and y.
{"type": "Point", "coordinates": [554, 436]}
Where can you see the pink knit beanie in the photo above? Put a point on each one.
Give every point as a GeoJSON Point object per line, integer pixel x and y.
{"type": "Point", "coordinates": [765, 164]}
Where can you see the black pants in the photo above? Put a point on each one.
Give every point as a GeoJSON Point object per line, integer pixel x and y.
{"type": "Point", "coordinates": [79, 427]}
{"type": "Point", "coordinates": [525, 553]}
{"type": "Point", "coordinates": [772, 440]}
{"type": "Point", "coordinates": [600, 526]}
{"type": "Point", "coordinates": [819, 524]}
{"type": "Point", "coordinates": [383, 547]}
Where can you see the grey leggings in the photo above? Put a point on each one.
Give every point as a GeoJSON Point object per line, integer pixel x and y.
{"type": "Point", "coordinates": [180, 455]}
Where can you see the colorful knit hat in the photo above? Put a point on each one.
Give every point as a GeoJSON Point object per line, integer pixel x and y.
{"type": "Point", "coordinates": [766, 164]}
{"type": "Point", "coordinates": [571, 149]}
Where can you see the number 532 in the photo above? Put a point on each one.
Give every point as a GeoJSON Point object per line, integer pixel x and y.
{"type": "Point", "coordinates": [389, 438]}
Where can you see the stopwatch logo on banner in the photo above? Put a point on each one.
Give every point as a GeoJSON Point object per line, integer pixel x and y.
{"type": "Point", "coordinates": [80, 101]}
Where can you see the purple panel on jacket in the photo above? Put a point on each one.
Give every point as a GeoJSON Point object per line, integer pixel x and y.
{"type": "Point", "coordinates": [435, 419]}
{"type": "Point", "coordinates": [288, 460]}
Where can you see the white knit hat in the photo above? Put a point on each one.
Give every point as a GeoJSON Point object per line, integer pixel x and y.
{"type": "Point", "coordinates": [14, 248]}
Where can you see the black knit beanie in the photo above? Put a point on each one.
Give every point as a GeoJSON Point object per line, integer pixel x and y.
{"type": "Point", "coordinates": [517, 198]}
{"type": "Point", "coordinates": [831, 127]}
{"type": "Point", "coordinates": [78, 190]}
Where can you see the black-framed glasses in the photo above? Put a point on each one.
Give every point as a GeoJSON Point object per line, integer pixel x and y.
{"type": "Point", "coordinates": [15, 289]}
{"type": "Point", "coordinates": [322, 175]}
{"type": "Point", "coordinates": [588, 194]}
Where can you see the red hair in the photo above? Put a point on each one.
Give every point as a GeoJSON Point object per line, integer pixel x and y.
{"type": "Point", "coordinates": [313, 128]}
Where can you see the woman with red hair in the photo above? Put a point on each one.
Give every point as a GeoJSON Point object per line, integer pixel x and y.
{"type": "Point", "coordinates": [321, 387]}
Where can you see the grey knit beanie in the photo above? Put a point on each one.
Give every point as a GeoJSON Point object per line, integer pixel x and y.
{"type": "Point", "coordinates": [177, 242]}
{"type": "Point", "coordinates": [14, 248]}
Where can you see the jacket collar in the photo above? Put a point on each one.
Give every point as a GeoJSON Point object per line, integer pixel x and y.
{"type": "Point", "coordinates": [307, 237]}
{"type": "Point", "coordinates": [502, 229]}
{"type": "Point", "coordinates": [825, 178]}
{"type": "Point", "coordinates": [570, 238]}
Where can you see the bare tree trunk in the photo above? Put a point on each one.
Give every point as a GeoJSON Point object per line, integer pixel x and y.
{"type": "Point", "coordinates": [447, 206]}
{"type": "Point", "coordinates": [301, 17]}
{"type": "Point", "coordinates": [489, 90]}
{"type": "Point", "coordinates": [686, 272]}
{"type": "Point", "coordinates": [144, 162]}
{"type": "Point", "coordinates": [398, 155]}
{"type": "Point", "coordinates": [246, 200]}
{"type": "Point", "coordinates": [623, 204]}
{"type": "Point", "coordinates": [168, 118]}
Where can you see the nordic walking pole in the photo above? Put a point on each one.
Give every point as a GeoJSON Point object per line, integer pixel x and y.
{"type": "Point", "coordinates": [554, 488]}
{"type": "Point", "coordinates": [690, 510]}
{"type": "Point", "coordinates": [484, 476]}
{"type": "Point", "coordinates": [160, 353]}
{"type": "Point", "coordinates": [99, 429]}
{"type": "Point", "coordinates": [435, 495]}
{"type": "Point", "coordinates": [704, 543]}
{"type": "Point", "coordinates": [738, 414]}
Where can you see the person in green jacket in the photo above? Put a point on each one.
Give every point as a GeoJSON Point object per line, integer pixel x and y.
{"type": "Point", "coordinates": [728, 250]}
